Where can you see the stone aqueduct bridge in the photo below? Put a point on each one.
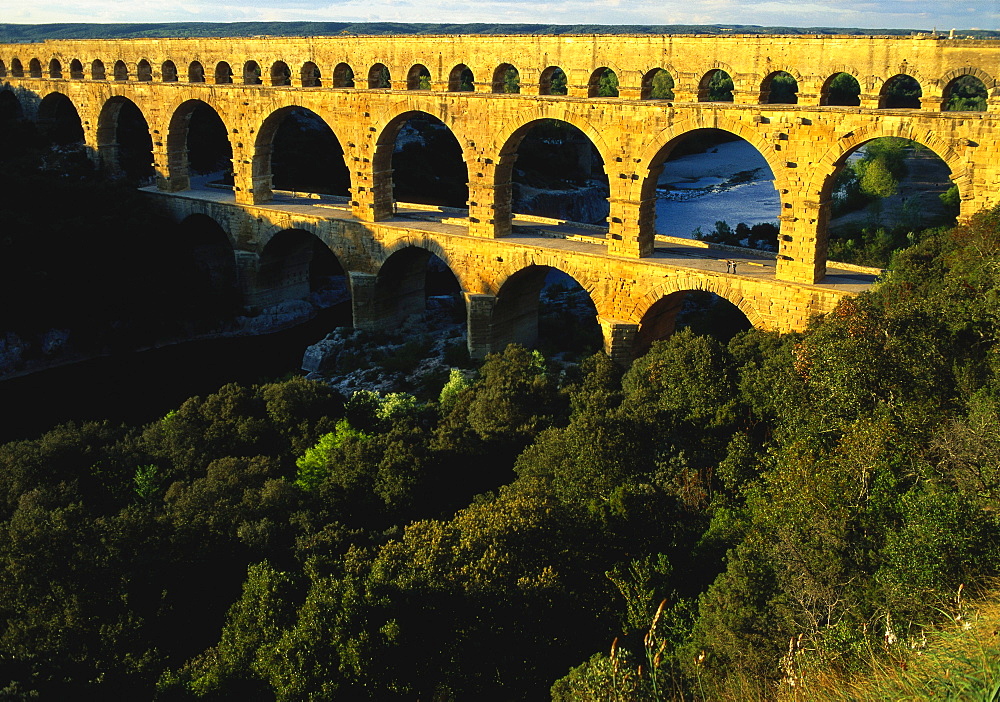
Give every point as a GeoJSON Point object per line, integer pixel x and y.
{"type": "Point", "coordinates": [626, 269]}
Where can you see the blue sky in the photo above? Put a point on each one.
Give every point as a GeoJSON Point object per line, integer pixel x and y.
{"type": "Point", "coordinates": [900, 14]}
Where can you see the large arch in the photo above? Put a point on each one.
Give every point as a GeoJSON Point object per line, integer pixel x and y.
{"type": "Point", "coordinates": [197, 143]}
{"type": "Point", "coordinates": [59, 120]}
{"type": "Point", "coordinates": [282, 177]}
{"type": "Point", "coordinates": [402, 285]}
{"type": "Point", "coordinates": [10, 106]}
{"type": "Point", "coordinates": [208, 268]}
{"type": "Point", "coordinates": [124, 141]}
{"type": "Point", "coordinates": [294, 263]}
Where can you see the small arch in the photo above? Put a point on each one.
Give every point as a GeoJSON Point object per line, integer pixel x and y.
{"type": "Point", "coordinates": [3, 69]}
{"type": "Point", "coordinates": [603, 83]}
{"type": "Point", "coordinates": [716, 86]}
{"type": "Point", "coordinates": [841, 89]}
{"type": "Point", "coordinates": [552, 81]}
{"type": "Point", "coordinates": [901, 92]}
{"type": "Point", "coordinates": [343, 76]}
{"type": "Point", "coordinates": [281, 75]}
{"type": "Point", "coordinates": [966, 93]}
{"type": "Point", "coordinates": [35, 68]}
{"type": "Point", "coordinates": [16, 69]}
{"type": "Point", "coordinates": [97, 71]}
{"type": "Point", "coordinates": [461, 80]}
{"type": "Point", "coordinates": [168, 72]}
{"type": "Point", "coordinates": [196, 72]}
{"type": "Point", "coordinates": [418, 78]}
{"type": "Point", "coordinates": [310, 75]}
{"type": "Point", "coordinates": [59, 120]}
{"type": "Point", "coordinates": [55, 69]}
{"type": "Point", "coordinates": [121, 71]}
{"type": "Point", "coordinates": [251, 73]}
{"type": "Point", "coordinates": [506, 79]}
{"type": "Point", "coordinates": [657, 84]}
{"type": "Point", "coordinates": [223, 73]}
{"type": "Point", "coordinates": [379, 77]}
{"type": "Point", "coordinates": [76, 69]}
{"type": "Point", "coordinates": [143, 71]}
{"type": "Point", "coordinates": [779, 88]}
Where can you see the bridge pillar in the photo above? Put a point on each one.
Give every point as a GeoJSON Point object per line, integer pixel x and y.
{"type": "Point", "coordinates": [172, 173]}
{"type": "Point", "coordinates": [479, 320]}
{"type": "Point", "coordinates": [619, 339]}
{"type": "Point", "coordinates": [364, 301]}
{"type": "Point", "coordinates": [802, 242]}
{"type": "Point", "coordinates": [630, 227]}
{"type": "Point", "coordinates": [372, 197]}
{"type": "Point", "coordinates": [247, 268]}
{"type": "Point", "coordinates": [489, 201]}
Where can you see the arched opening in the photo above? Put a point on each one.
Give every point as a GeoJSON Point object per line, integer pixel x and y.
{"type": "Point", "coordinates": [3, 69]}
{"type": "Point", "coordinates": [59, 120]}
{"type": "Point", "coordinates": [713, 185]}
{"type": "Point", "coordinates": [76, 69]}
{"type": "Point", "coordinates": [461, 79]}
{"type": "Point", "coordinates": [124, 141]}
{"type": "Point", "coordinates": [412, 282]}
{"type": "Point", "coordinates": [97, 70]}
{"type": "Point", "coordinates": [884, 193]}
{"type": "Point", "coordinates": [55, 69]}
{"type": "Point", "coordinates": [841, 89]}
{"type": "Point", "coordinates": [296, 265]}
{"type": "Point", "coordinates": [506, 79]}
{"type": "Point", "coordinates": [779, 88]}
{"type": "Point", "coordinates": [207, 266]}
{"type": "Point", "coordinates": [199, 134]}
{"type": "Point", "coordinates": [196, 72]}
{"type": "Point", "coordinates": [603, 83]}
{"type": "Point", "coordinates": [10, 107]}
{"type": "Point", "coordinates": [378, 77]}
{"type": "Point", "coordinates": [305, 155]}
{"type": "Point", "coordinates": [426, 161]}
{"type": "Point", "coordinates": [144, 71]}
{"type": "Point", "coordinates": [121, 71]}
{"type": "Point", "coordinates": [965, 94]}
{"type": "Point", "coordinates": [901, 92]}
{"type": "Point", "coordinates": [543, 307]}
{"type": "Point", "coordinates": [168, 71]}
{"type": "Point", "coordinates": [281, 75]}
{"type": "Point", "coordinates": [558, 173]}
{"type": "Point", "coordinates": [418, 78]}
{"type": "Point", "coordinates": [223, 73]}
{"type": "Point", "coordinates": [251, 73]}
{"type": "Point", "coordinates": [552, 81]}
{"type": "Point", "coordinates": [657, 84]}
{"type": "Point", "coordinates": [701, 311]}
{"type": "Point", "coordinates": [16, 69]}
{"type": "Point", "coordinates": [343, 76]}
{"type": "Point", "coordinates": [35, 68]}
{"type": "Point", "coordinates": [716, 86]}
{"type": "Point", "coordinates": [310, 75]}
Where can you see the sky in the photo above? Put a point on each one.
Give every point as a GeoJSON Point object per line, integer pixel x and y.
{"type": "Point", "coordinates": [942, 15]}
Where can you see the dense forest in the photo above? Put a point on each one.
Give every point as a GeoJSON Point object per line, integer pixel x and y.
{"type": "Point", "coordinates": [16, 33]}
{"type": "Point", "coordinates": [725, 519]}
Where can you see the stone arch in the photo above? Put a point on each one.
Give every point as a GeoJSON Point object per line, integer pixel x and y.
{"type": "Point", "coordinates": [16, 69]}
{"type": "Point", "coordinates": [418, 77]}
{"type": "Point", "coordinates": [281, 75]}
{"type": "Point", "coordinates": [223, 73]}
{"type": "Point", "coordinates": [505, 77]}
{"type": "Point", "coordinates": [251, 73]}
{"type": "Point", "coordinates": [168, 72]}
{"type": "Point", "coordinates": [603, 79]}
{"type": "Point", "coordinates": [310, 76]}
{"type": "Point", "coordinates": [196, 72]}
{"type": "Point", "coordinates": [10, 106]}
{"type": "Point", "coordinates": [209, 271]}
{"type": "Point", "coordinates": [121, 71]}
{"type": "Point", "coordinates": [515, 314]}
{"type": "Point", "coordinates": [264, 148]}
{"type": "Point", "coordinates": [97, 71]}
{"type": "Point", "coordinates": [461, 79]}
{"type": "Point", "coordinates": [343, 76]}
{"type": "Point", "coordinates": [134, 158]}
{"type": "Point", "coordinates": [379, 77]}
{"type": "Point", "coordinates": [885, 100]}
{"type": "Point", "coordinates": [552, 81]}
{"type": "Point", "coordinates": [59, 119]}
{"type": "Point", "coordinates": [55, 68]}
{"type": "Point", "coordinates": [400, 285]}
{"type": "Point", "coordinates": [413, 240]}
{"type": "Point", "coordinates": [647, 83]}
{"type": "Point", "coordinates": [34, 68]}
{"type": "Point", "coordinates": [291, 262]}
{"type": "Point", "coordinates": [707, 78]}
{"type": "Point", "coordinates": [952, 78]}
{"type": "Point", "coordinates": [3, 69]}
{"type": "Point", "coordinates": [76, 69]}
{"type": "Point", "coordinates": [178, 139]}
{"type": "Point", "coordinates": [825, 96]}
{"type": "Point", "coordinates": [144, 71]}
{"type": "Point", "coordinates": [767, 93]}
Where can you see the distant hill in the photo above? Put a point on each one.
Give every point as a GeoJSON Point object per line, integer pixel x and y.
{"type": "Point", "coordinates": [19, 33]}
